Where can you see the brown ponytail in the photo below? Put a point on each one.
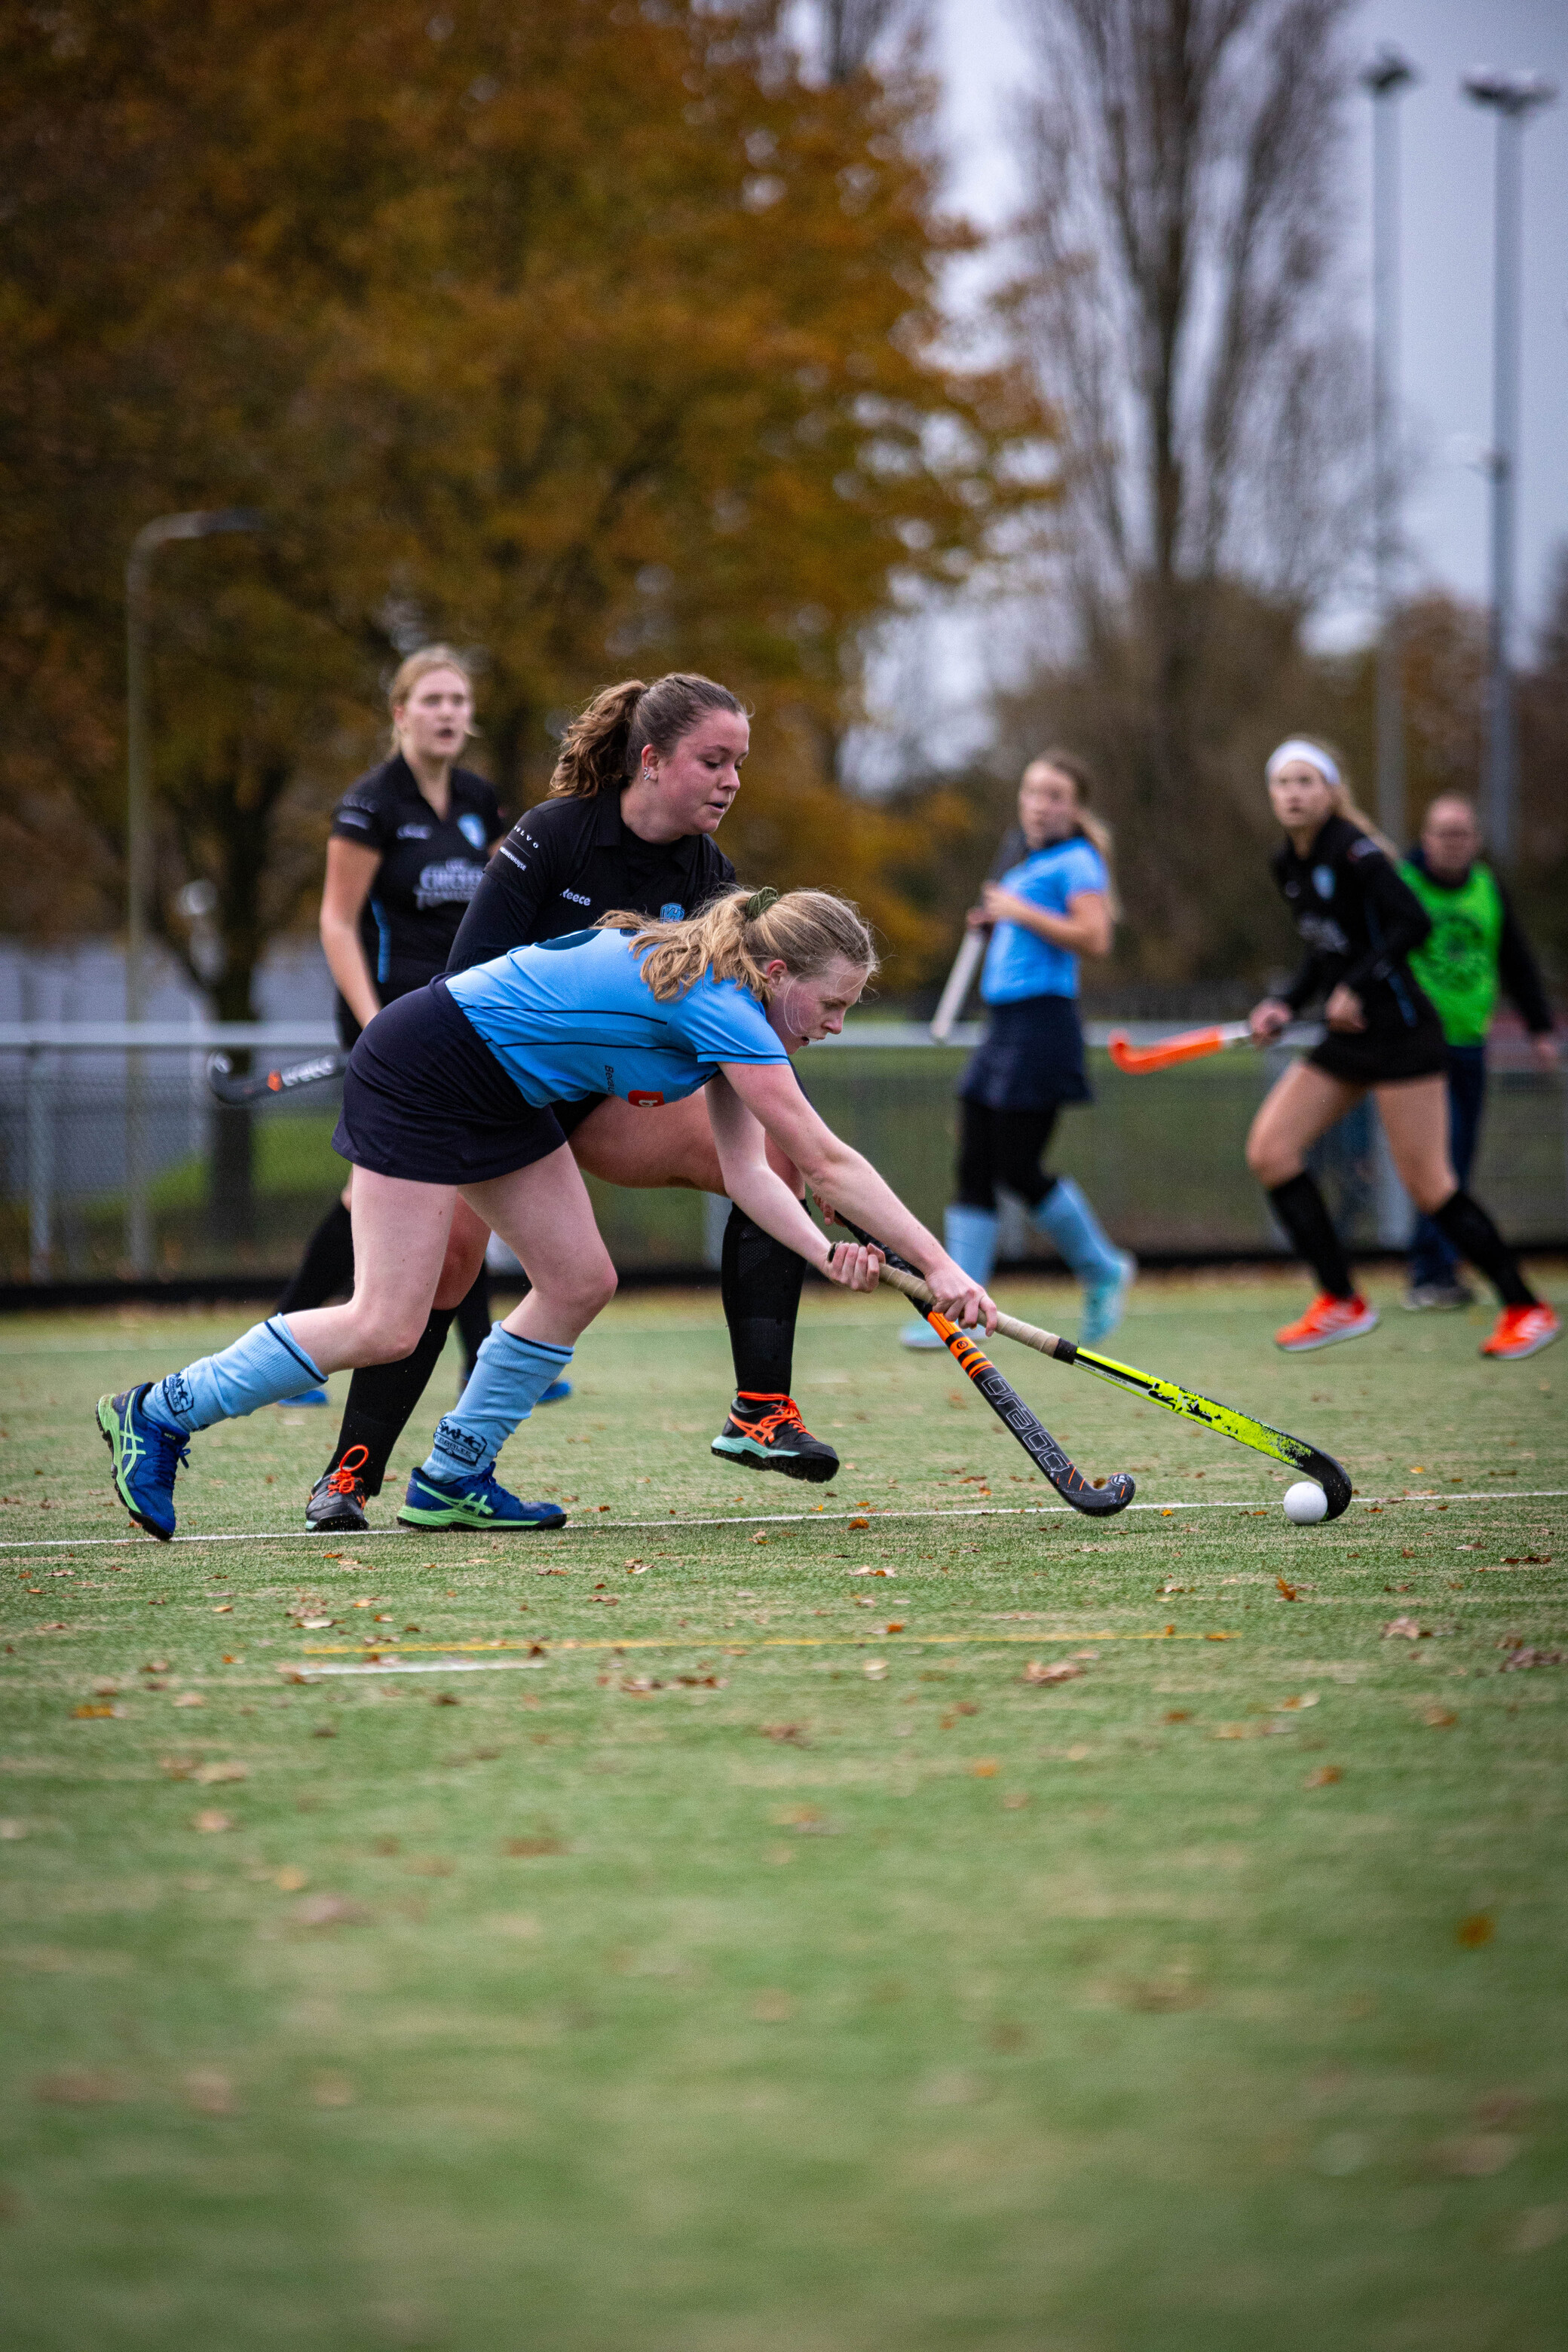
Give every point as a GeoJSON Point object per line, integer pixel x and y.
{"type": "Point", "coordinates": [602, 746]}
{"type": "Point", "coordinates": [740, 933]}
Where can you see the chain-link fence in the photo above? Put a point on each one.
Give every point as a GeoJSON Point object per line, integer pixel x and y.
{"type": "Point", "coordinates": [115, 1161]}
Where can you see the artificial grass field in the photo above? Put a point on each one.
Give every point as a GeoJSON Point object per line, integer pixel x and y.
{"type": "Point", "coordinates": [798, 1984]}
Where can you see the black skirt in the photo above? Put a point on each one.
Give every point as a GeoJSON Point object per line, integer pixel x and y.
{"type": "Point", "coordinates": [1032, 1058]}
{"type": "Point", "coordinates": [1387, 1052]}
{"type": "Point", "coordinates": [424, 1099]}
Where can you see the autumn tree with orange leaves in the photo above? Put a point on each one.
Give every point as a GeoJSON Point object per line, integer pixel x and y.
{"type": "Point", "coordinates": [602, 337]}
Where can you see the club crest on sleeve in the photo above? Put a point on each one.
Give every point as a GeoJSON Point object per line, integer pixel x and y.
{"type": "Point", "coordinates": [673, 913]}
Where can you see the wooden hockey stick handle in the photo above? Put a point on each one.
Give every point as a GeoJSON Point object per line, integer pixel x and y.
{"type": "Point", "coordinates": [1028, 1335]}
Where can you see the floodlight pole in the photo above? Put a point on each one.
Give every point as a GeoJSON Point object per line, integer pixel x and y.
{"type": "Point", "coordinates": [1513, 98]}
{"type": "Point", "coordinates": [1383, 79]}
{"type": "Point", "coordinates": [138, 838]}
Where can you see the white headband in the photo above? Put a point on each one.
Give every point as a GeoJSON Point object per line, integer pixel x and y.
{"type": "Point", "coordinates": [1296, 747]}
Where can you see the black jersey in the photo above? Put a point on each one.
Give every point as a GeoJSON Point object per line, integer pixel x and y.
{"type": "Point", "coordinates": [430, 867]}
{"type": "Point", "coordinates": [1360, 922]}
{"type": "Point", "coordinates": [568, 862]}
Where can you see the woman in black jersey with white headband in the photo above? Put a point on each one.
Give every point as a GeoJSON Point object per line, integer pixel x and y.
{"type": "Point", "coordinates": [1360, 922]}
{"type": "Point", "coordinates": [644, 777]}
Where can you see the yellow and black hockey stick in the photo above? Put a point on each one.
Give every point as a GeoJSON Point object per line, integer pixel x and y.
{"type": "Point", "coordinates": [1297, 1453]}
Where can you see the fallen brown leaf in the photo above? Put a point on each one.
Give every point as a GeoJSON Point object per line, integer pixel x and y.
{"type": "Point", "coordinates": [190, 1698]}
{"type": "Point", "coordinates": [526, 1849]}
{"type": "Point", "coordinates": [1322, 1776]}
{"type": "Point", "coordinates": [210, 1822]}
{"type": "Point", "coordinates": [1438, 1718]}
{"type": "Point", "coordinates": [210, 1774]}
{"type": "Point", "coordinates": [1062, 1670]}
{"type": "Point", "coordinates": [985, 1768]}
{"type": "Point", "coordinates": [1478, 1928]}
{"type": "Point", "coordinates": [81, 2086]}
{"type": "Point", "coordinates": [209, 2092]}
{"type": "Point", "coordinates": [1477, 2156]}
{"type": "Point", "coordinates": [329, 1911]}
{"type": "Point", "coordinates": [290, 1879]}
{"type": "Point", "coordinates": [1286, 1591]}
{"type": "Point", "coordinates": [1405, 1629]}
{"type": "Point", "coordinates": [772, 2008]}
{"type": "Point", "coordinates": [785, 1734]}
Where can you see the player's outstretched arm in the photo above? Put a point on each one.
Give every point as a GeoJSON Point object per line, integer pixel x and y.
{"type": "Point", "coordinates": [771, 1094]}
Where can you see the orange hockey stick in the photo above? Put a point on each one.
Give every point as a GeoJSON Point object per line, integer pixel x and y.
{"type": "Point", "coordinates": [1192, 1044]}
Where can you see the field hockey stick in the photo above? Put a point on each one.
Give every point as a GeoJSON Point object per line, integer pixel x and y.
{"type": "Point", "coordinates": [1095, 1501]}
{"type": "Point", "coordinates": [233, 1090]}
{"type": "Point", "coordinates": [1192, 1044]}
{"type": "Point", "coordinates": [1224, 1419]}
{"type": "Point", "coordinates": [960, 980]}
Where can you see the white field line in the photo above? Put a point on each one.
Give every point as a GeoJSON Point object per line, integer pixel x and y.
{"type": "Point", "coordinates": [673, 1525]}
{"type": "Point", "coordinates": [432, 1666]}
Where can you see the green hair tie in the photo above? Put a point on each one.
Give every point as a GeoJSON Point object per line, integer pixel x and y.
{"type": "Point", "coordinates": [759, 902]}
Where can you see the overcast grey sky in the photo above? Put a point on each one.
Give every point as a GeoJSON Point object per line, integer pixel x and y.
{"type": "Point", "coordinates": [1447, 250]}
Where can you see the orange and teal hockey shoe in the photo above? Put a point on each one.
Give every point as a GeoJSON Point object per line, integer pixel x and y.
{"type": "Point", "coordinates": [766, 1433]}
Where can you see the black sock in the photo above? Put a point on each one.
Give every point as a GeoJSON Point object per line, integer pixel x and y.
{"type": "Point", "coordinates": [327, 1269]}
{"type": "Point", "coordinates": [383, 1396]}
{"type": "Point", "coordinates": [760, 1282]}
{"type": "Point", "coordinates": [1465, 1224]}
{"type": "Point", "coordinates": [474, 1320]}
{"type": "Point", "coordinates": [1302, 1211]}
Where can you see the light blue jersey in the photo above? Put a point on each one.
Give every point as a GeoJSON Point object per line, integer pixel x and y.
{"type": "Point", "coordinates": [1018, 964]}
{"type": "Point", "coordinates": [575, 1016]}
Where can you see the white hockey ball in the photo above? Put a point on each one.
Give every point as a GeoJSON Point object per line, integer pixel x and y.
{"type": "Point", "coordinates": [1305, 1503]}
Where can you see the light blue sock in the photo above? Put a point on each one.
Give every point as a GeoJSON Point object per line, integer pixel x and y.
{"type": "Point", "coordinates": [508, 1378]}
{"type": "Point", "coordinates": [1066, 1216]}
{"type": "Point", "coordinates": [268, 1363]}
{"type": "Point", "coordinates": [971, 1238]}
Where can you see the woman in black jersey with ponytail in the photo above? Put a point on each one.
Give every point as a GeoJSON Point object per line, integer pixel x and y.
{"type": "Point", "coordinates": [644, 777]}
{"type": "Point", "coordinates": [1360, 922]}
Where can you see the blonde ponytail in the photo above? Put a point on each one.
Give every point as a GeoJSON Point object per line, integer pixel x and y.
{"type": "Point", "coordinates": [1094, 829]}
{"type": "Point", "coordinates": [738, 934]}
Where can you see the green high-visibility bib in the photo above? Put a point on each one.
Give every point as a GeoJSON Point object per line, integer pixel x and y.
{"type": "Point", "coordinates": [1457, 964]}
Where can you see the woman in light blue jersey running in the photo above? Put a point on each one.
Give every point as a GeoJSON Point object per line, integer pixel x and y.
{"type": "Point", "coordinates": [448, 1091]}
{"type": "Point", "coordinates": [1055, 903]}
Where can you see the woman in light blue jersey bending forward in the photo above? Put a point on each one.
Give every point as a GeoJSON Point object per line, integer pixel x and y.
{"type": "Point", "coordinates": [1055, 902]}
{"type": "Point", "coordinates": [450, 1091]}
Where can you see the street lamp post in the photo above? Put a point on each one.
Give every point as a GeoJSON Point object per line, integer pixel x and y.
{"type": "Point", "coordinates": [1384, 79]}
{"type": "Point", "coordinates": [1513, 98]}
{"type": "Point", "coordinates": [138, 838]}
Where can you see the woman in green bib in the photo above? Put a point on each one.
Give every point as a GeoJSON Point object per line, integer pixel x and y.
{"type": "Point", "coordinates": [1474, 949]}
